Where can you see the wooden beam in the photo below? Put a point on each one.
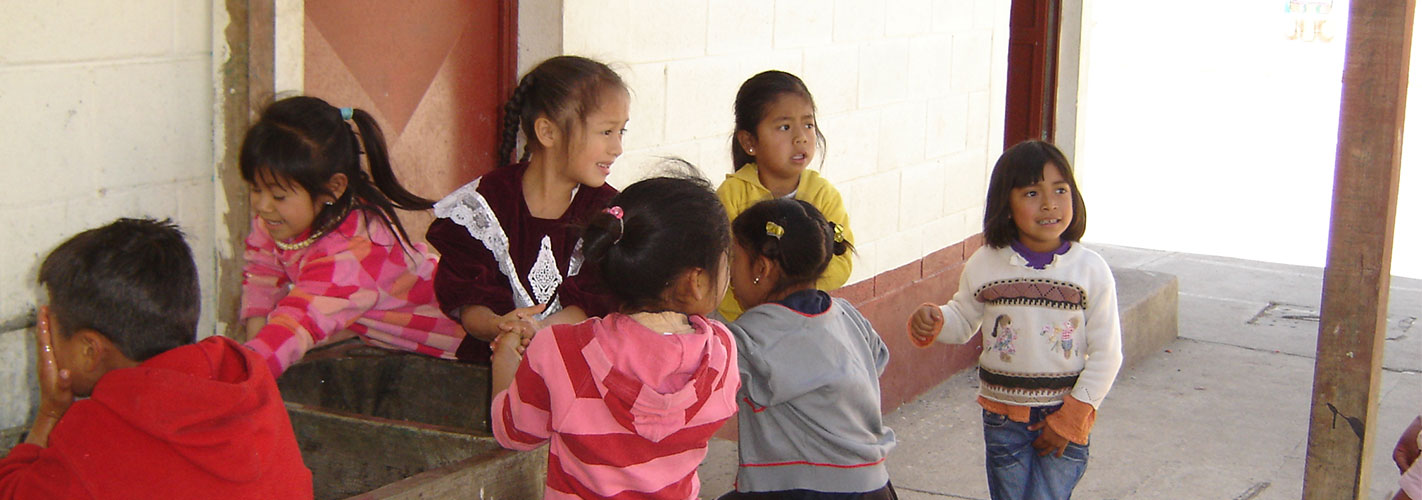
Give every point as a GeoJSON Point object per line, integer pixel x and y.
{"type": "Point", "coordinates": [1355, 283]}
{"type": "Point", "coordinates": [248, 83]}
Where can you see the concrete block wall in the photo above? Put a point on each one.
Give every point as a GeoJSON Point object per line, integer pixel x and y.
{"type": "Point", "coordinates": [107, 112]}
{"type": "Point", "coordinates": [910, 97]}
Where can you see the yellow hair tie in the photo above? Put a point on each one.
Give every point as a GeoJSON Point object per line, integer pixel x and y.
{"type": "Point", "coordinates": [774, 229]}
{"type": "Point", "coordinates": [838, 233]}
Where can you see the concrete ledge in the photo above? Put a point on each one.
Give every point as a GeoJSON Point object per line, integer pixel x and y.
{"type": "Point", "coordinates": [1149, 303]}
{"type": "Point", "coordinates": [490, 474]}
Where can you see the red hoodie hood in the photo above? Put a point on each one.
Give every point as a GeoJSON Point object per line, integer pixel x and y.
{"type": "Point", "coordinates": [665, 382]}
{"type": "Point", "coordinates": [196, 398]}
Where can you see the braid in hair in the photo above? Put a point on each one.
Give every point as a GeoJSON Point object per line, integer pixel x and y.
{"type": "Point", "coordinates": [513, 114]}
{"type": "Point", "coordinates": [563, 89]}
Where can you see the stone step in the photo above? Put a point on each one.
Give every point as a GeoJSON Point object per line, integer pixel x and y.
{"type": "Point", "coordinates": [1149, 304]}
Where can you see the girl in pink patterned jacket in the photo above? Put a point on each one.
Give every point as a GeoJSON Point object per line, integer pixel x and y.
{"type": "Point", "coordinates": [327, 257]}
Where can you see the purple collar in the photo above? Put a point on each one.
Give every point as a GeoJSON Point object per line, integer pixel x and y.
{"type": "Point", "coordinates": [1039, 260]}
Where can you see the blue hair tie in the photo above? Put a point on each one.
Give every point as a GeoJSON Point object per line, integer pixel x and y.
{"type": "Point", "coordinates": [347, 113]}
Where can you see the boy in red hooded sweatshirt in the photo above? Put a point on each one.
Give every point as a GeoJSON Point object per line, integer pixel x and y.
{"type": "Point", "coordinates": [165, 417]}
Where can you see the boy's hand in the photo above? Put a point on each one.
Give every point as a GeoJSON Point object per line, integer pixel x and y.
{"type": "Point", "coordinates": [56, 386]}
{"type": "Point", "coordinates": [924, 324]}
{"type": "Point", "coordinates": [1049, 441]}
{"type": "Point", "coordinates": [56, 391]}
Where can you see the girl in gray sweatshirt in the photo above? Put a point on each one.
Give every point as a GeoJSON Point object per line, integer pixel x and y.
{"type": "Point", "coordinates": [810, 422]}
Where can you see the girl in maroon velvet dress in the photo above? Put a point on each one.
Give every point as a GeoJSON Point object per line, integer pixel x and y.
{"type": "Point", "coordinates": [510, 253]}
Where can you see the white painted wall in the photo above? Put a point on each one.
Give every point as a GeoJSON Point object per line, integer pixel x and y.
{"type": "Point", "coordinates": [108, 112]}
{"type": "Point", "coordinates": [910, 96]}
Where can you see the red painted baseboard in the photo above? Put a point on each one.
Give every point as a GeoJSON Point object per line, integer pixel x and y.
{"type": "Point", "coordinates": [886, 300]}
{"type": "Point", "coordinates": [889, 298]}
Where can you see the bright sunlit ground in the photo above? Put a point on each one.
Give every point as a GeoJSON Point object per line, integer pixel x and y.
{"type": "Point", "coordinates": [1208, 130]}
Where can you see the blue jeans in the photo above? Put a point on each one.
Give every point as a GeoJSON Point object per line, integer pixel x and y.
{"type": "Point", "coordinates": [1014, 470]}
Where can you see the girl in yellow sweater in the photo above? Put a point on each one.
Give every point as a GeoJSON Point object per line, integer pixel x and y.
{"type": "Point", "coordinates": [775, 139]}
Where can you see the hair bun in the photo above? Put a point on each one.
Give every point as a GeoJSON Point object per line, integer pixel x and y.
{"type": "Point", "coordinates": [838, 243]}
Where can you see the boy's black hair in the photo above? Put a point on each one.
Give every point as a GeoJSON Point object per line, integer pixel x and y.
{"type": "Point", "coordinates": [804, 248]}
{"type": "Point", "coordinates": [564, 89]}
{"type": "Point", "coordinates": [1021, 165]}
{"type": "Point", "coordinates": [758, 93]}
{"type": "Point", "coordinates": [134, 281]}
{"type": "Point", "coordinates": [668, 226]}
{"type": "Point", "coordinates": [307, 141]}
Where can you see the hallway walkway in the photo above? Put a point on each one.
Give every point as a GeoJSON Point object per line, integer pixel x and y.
{"type": "Point", "coordinates": [1221, 413]}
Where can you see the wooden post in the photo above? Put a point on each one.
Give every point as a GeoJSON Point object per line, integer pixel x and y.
{"type": "Point", "coordinates": [248, 83]}
{"type": "Point", "coordinates": [1355, 283]}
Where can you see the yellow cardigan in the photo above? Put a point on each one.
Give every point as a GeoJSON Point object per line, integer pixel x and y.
{"type": "Point", "coordinates": [743, 189]}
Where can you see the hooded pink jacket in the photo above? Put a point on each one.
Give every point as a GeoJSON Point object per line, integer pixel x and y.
{"type": "Point", "coordinates": [627, 411]}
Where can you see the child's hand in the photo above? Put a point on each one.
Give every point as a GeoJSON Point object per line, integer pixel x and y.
{"type": "Point", "coordinates": [1406, 452]}
{"type": "Point", "coordinates": [522, 322]}
{"type": "Point", "coordinates": [508, 353]}
{"type": "Point", "coordinates": [56, 386]}
{"type": "Point", "coordinates": [525, 327]}
{"type": "Point", "coordinates": [56, 391]}
{"type": "Point", "coordinates": [924, 324]}
{"type": "Point", "coordinates": [1049, 441]}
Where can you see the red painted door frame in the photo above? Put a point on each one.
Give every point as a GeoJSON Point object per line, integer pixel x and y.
{"type": "Point", "coordinates": [1035, 28]}
{"type": "Point", "coordinates": [434, 73]}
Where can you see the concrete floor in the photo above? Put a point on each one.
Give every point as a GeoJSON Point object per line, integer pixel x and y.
{"type": "Point", "coordinates": [1221, 413]}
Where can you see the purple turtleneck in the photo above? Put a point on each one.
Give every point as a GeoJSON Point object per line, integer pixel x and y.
{"type": "Point", "coordinates": [1039, 260]}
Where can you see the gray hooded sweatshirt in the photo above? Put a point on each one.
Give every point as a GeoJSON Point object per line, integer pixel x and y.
{"type": "Point", "coordinates": [809, 400]}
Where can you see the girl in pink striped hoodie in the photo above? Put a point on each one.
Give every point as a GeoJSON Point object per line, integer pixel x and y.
{"type": "Point", "coordinates": [629, 401]}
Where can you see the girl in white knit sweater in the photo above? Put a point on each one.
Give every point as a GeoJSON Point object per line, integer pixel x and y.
{"type": "Point", "coordinates": [1051, 305]}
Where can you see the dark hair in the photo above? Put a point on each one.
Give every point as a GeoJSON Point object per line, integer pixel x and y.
{"type": "Point", "coordinates": [668, 225]}
{"type": "Point", "coordinates": [758, 93]}
{"type": "Point", "coordinates": [305, 140]}
{"type": "Point", "coordinates": [561, 88]}
{"type": "Point", "coordinates": [805, 246]}
{"type": "Point", "coordinates": [1021, 165]}
{"type": "Point", "coordinates": [134, 281]}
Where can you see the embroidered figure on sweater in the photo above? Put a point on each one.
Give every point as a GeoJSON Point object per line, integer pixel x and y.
{"type": "Point", "coordinates": [1060, 336]}
{"type": "Point", "coordinates": [1001, 337]}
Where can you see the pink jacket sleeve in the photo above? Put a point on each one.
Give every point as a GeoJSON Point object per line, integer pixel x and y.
{"type": "Point", "coordinates": [263, 282]}
{"type": "Point", "coordinates": [333, 289]}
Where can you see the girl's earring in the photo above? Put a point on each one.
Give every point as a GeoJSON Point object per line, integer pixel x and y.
{"type": "Point", "coordinates": [756, 281]}
{"type": "Point", "coordinates": [750, 150]}
{"type": "Point", "coordinates": [329, 203]}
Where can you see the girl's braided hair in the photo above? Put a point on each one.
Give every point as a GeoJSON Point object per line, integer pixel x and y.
{"type": "Point", "coordinates": [564, 89]}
